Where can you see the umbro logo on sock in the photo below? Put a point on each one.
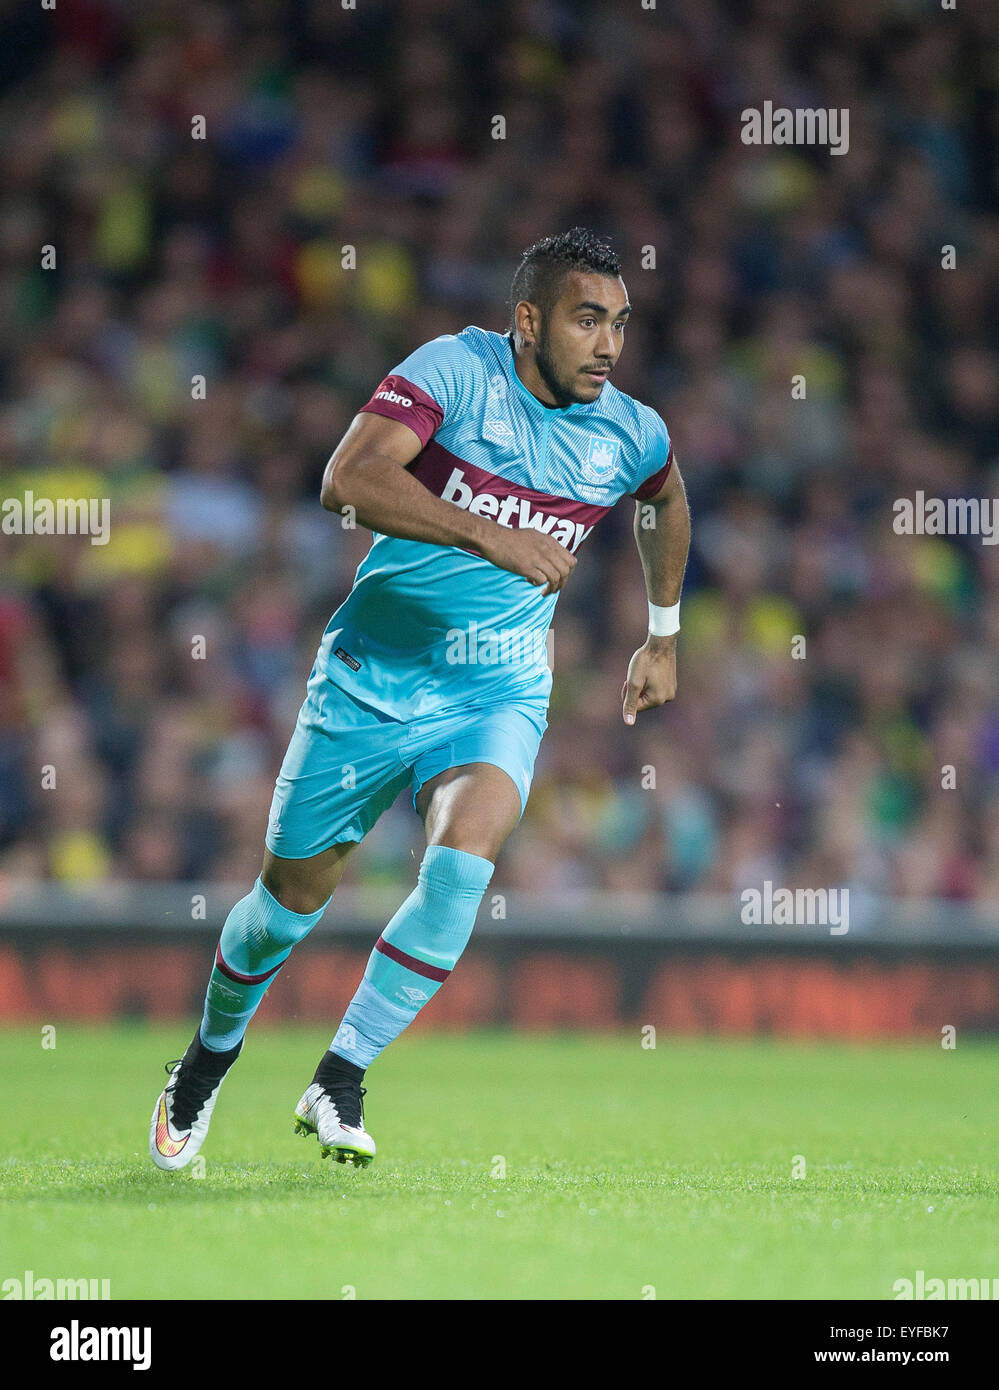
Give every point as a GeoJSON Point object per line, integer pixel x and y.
{"type": "Point", "coordinates": [413, 995]}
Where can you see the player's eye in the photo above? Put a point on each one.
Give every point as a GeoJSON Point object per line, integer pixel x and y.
{"type": "Point", "coordinates": [587, 323]}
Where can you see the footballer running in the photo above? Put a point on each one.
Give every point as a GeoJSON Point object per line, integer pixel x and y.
{"type": "Point", "coordinates": [481, 464]}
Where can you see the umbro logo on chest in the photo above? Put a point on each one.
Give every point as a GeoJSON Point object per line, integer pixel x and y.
{"type": "Point", "coordinates": [498, 431]}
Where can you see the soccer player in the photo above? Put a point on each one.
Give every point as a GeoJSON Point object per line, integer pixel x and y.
{"type": "Point", "coordinates": [481, 464]}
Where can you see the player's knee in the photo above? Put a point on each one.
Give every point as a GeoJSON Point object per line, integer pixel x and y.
{"type": "Point", "coordinates": [436, 920]}
{"type": "Point", "coordinates": [292, 892]}
{"type": "Point", "coordinates": [260, 931]}
{"type": "Point", "coordinates": [451, 885]}
{"type": "Point", "coordinates": [472, 841]}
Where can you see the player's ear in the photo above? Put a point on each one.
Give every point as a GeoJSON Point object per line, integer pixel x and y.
{"type": "Point", "coordinates": [527, 318]}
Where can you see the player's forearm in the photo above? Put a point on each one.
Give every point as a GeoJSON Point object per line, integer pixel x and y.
{"type": "Point", "coordinates": [388, 499]}
{"type": "Point", "coordinates": [664, 545]}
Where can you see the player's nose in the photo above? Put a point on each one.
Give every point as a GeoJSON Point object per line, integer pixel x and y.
{"type": "Point", "coordinates": [606, 348]}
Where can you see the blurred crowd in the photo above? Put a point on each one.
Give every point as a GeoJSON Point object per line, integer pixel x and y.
{"type": "Point", "coordinates": [157, 678]}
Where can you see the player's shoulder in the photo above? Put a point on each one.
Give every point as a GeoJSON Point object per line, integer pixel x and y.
{"type": "Point", "coordinates": [645, 441]}
{"type": "Point", "coordinates": [644, 425]}
{"type": "Point", "coordinates": [452, 367]}
{"type": "Point", "coordinates": [457, 352]}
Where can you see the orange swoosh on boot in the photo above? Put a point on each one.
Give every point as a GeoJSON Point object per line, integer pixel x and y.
{"type": "Point", "coordinates": [167, 1145]}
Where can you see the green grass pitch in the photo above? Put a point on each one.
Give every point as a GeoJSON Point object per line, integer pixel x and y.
{"type": "Point", "coordinates": [626, 1169]}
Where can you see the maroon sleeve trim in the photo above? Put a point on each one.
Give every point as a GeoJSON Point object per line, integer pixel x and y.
{"type": "Point", "coordinates": [398, 399]}
{"type": "Point", "coordinates": [654, 484]}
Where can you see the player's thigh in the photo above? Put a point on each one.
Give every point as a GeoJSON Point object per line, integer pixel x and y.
{"type": "Point", "coordinates": [341, 770]}
{"type": "Point", "coordinates": [303, 885]}
{"type": "Point", "coordinates": [473, 777]}
{"type": "Point", "coordinates": [472, 808]}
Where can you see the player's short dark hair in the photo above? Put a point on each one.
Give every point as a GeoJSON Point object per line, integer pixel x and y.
{"type": "Point", "coordinates": [545, 265]}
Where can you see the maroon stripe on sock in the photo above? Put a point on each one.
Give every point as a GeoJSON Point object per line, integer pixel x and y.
{"type": "Point", "coordinates": [242, 979]}
{"type": "Point", "coordinates": [419, 967]}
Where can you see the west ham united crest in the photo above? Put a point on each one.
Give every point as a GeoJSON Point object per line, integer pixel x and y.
{"type": "Point", "coordinates": [601, 459]}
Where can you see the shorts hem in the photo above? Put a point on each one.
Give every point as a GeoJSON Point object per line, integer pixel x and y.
{"type": "Point", "coordinates": [343, 840]}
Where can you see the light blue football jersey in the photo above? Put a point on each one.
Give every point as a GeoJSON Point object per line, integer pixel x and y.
{"type": "Point", "coordinates": [436, 628]}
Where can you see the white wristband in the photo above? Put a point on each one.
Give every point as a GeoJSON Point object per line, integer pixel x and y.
{"type": "Point", "coordinates": [663, 622]}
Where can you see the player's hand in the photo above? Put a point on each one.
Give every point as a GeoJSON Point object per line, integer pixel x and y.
{"type": "Point", "coordinates": [651, 677]}
{"type": "Point", "coordinates": [532, 554]}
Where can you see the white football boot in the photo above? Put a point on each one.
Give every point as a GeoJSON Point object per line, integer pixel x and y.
{"type": "Point", "coordinates": [183, 1110]}
{"type": "Point", "coordinates": [336, 1117]}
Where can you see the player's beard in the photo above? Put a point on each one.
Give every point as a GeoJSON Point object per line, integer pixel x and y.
{"type": "Point", "coordinates": [548, 372]}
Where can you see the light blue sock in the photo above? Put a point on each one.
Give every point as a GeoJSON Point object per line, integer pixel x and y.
{"type": "Point", "coordinates": [415, 953]}
{"type": "Point", "coordinates": [256, 941]}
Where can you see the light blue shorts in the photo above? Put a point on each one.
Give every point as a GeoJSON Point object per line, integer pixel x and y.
{"type": "Point", "coordinates": [347, 762]}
